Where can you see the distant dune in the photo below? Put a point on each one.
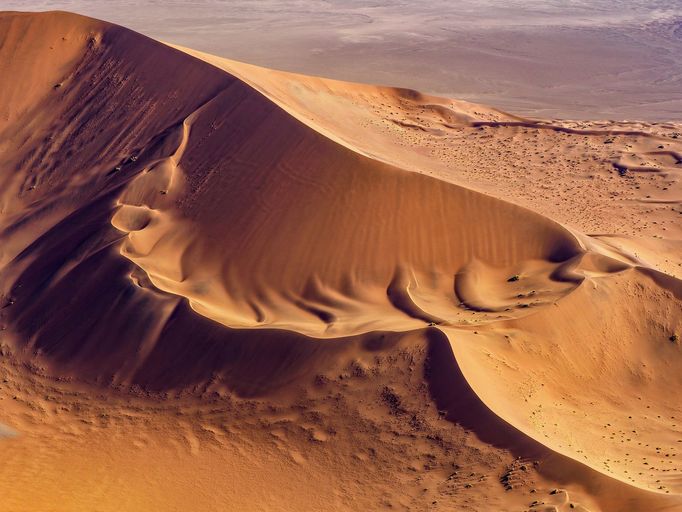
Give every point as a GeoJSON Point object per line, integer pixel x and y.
{"type": "Point", "coordinates": [230, 288]}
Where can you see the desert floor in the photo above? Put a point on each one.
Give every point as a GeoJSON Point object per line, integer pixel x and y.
{"type": "Point", "coordinates": [602, 59]}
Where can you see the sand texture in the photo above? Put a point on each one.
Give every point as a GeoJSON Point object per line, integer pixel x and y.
{"type": "Point", "coordinates": [228, 288]}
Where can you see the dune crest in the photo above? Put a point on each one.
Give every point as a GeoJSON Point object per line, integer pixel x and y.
{"type": "Point", "coordinates": [229, 234]}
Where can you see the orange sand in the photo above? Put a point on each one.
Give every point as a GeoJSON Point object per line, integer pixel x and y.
{"type": "Point", "coordinates": [230, 288]}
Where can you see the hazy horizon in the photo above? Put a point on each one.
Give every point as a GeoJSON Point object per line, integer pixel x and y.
{"type": "Point", "coordinates": [577, 59]}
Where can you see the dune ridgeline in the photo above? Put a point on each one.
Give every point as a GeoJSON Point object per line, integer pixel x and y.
{"type": "Point", "coordinates": [231, 288]}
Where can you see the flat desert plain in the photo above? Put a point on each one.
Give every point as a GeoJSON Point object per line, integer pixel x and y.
{"type": "Point", "coordinates": [570, 59]}
{"type": "Point", "coordinates": [229, 288]}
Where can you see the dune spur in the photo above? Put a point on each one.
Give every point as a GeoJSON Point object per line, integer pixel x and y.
{"type": "Point", "coordinates": [232, 229]}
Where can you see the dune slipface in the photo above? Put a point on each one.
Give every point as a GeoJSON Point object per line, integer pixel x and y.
{"type": "Point", "coordinates": [230, 288]}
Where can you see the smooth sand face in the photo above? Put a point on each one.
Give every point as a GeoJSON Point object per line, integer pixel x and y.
{"type": "Point", "coordinates": [226, 287]}
{"type": "Point", "coordinates": [606, 59]}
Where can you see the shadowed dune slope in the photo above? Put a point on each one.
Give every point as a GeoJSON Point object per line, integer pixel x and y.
{"type": "Point", "coordinates": [168, 227]}
{"type": "Point", "coordinates": [231, 202]}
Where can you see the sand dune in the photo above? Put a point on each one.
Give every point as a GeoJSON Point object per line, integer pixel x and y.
{"type": "Point", "coordinates": [255, 290]}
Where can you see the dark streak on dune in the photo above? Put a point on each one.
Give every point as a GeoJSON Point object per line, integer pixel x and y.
{"type": "Point", "coordinates": [539, 125]}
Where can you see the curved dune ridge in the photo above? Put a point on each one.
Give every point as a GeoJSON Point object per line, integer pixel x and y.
{"type": "Point", "coordinates": [187, 240]}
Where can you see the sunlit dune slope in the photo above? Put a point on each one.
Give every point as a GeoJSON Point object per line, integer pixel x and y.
{"type": "Point", "coordinates": [171, 227]}
{"type": "Point", "coordinates": [249, 213]}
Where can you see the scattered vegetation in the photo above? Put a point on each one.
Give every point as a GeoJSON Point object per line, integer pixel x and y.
{"type": "Point", "coordinates": [392, 400]}
{"type": "Point", "coordinates": [514, 278]}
